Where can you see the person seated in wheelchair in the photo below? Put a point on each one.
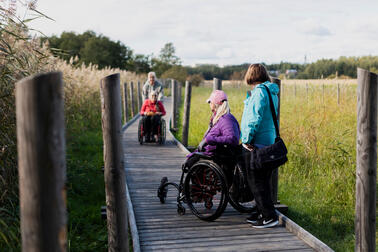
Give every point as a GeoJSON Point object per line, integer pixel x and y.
{"type": "Point", "coordinates": [152, 110]}
{"type": "Point", "coordinates": [223, 130]}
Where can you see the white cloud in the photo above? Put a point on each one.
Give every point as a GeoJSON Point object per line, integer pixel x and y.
{"type": "Point", "coordinates": [312, 27]}
{"type": "Point", "coordinates": [222, 31]}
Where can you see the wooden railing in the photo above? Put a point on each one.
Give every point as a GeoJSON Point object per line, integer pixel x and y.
{"type": "Point", "coordinates": [41, 157]}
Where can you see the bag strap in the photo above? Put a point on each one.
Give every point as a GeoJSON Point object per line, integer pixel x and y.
{"type": "Point", "coordinates": [274, 116]}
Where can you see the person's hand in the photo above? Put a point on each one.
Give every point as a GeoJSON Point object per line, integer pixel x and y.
{"type": "Point", "coordinates": [145, 113]}
{"type": "Point", "coordinates": [159, 113]}
{"type": "Point", "coordinates": [202, 144]}
{"type": "Point", "coordinates": [249, 147]}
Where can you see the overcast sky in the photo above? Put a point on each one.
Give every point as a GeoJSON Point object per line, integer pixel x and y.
{"type": "Point", "coordinates": [225, 32]}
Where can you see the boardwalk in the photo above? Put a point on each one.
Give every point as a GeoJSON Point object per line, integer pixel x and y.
{"type": "Point", "coordinates": [159, 226]}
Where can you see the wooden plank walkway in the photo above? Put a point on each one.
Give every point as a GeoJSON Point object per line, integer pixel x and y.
{"type": "Point", "coordinates": [159, 226]}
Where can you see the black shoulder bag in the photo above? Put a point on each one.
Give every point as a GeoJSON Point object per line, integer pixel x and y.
{"type": "Point", "coordinates": [272, 156]}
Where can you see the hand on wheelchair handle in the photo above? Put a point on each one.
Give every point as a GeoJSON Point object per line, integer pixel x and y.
{"type": "Point", "coordinates": [202, 145]}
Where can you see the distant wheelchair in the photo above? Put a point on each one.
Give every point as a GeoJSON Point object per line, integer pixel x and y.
{"type": "Point", "coordinates": [161, 132]}
{"type": "Point", "coordinates": [208, 185]}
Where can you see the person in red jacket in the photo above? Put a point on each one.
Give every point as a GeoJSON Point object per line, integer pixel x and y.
{"type": "Point", "coordinates": [152, 111]}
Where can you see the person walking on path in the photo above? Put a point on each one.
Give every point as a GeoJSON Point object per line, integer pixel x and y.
{"type": "Point", "coordinates": [152, 85]}
{"type": "Point", "coordinates": [257, 130]}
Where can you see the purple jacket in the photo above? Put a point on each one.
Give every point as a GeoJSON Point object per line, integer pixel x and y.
{"type": "Point", "coordinates": [225, 131]}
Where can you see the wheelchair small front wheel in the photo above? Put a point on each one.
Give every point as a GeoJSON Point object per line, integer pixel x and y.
{"type": "Point", "coordinates": [140, 132]}
{"type": "Point", "coordinates": [205, 190]}
{"type": "Point", "coordinates": [180, 209]}
{"type": "Point", "coordinates": [162, 132]}
{"type": "Point", "coordinates": [163, 190]}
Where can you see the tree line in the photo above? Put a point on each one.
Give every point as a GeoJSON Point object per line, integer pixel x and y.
{"type": "Point", "coordinates": [91, 48]}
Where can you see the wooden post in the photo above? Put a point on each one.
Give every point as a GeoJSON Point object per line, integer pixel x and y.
{"type": "Point", "coordinates": [174, 106]}
{"type": "Point", "coordinates": [139, 96]}
{"type": "Point", "coordinates": [113, 159]}
{"type": "Point", "coordinates": [125, 105]}
{"type": "Point", "coordinates": [338, 93]}
{"type": "Point", "coordinates": [41, 162]}
{"type": "Point", "coordinates": [185, 123]}
{"type": "Point", "coordinates": [282, 91]}
{"type": "Point", "coordinates": [366, 171]}
{"type": "Point", "coordinates": [132, 99]}
{"type": "Point", "coordinates": [217, 84]}
{"type": "Point", "coordinates": [274, 181]}
{"type": "Point", "coordinates": [179, 93]}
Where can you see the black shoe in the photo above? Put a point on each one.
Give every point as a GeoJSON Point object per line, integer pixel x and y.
{"type": "Point", "coordinates": [266, 222]}
{"type": "Point", "coordinates": [255, 216]}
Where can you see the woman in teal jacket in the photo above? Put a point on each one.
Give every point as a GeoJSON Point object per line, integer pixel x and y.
{"type": "Point", "coordinates": [257, 130]}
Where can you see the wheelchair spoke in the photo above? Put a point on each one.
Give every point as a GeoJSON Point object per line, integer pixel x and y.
{"type": "Point", "coordinates": [205, 191]}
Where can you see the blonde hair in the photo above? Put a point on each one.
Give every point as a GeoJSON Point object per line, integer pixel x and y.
{"type": "Point", "coordinates": [221, 109]}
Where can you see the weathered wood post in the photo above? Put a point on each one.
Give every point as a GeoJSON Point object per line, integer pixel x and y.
{"type": "Point", "coordinates": [338, 93]}
{"type": "Point", "coordinates": [113, 159]}
{"type": "Point", "coordinates": [282, 91]}
{"type": "Point", "coordinates": [125, 105]}
{"type": "Point", "coordinates": [179, 93]}
{"type": "Point", "coordinates": [366, 171]}
{"type": "Point", "coordinates": [41, 162]}
{"type": "Point", "coordinates": [217, 84]}
{"type": "Point", "coordinates": [139, 96]}
{"type": "Point", "coordinates": [132, 99]}
{"type": "Point", "coordinates": [185, 123]}
{"type": "Point", "coordinates": [274, 181]}
{"type": "Point", "coordinates": [174, 104]}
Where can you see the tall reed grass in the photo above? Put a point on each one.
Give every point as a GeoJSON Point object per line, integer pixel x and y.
{"type": "Point", "coordinates": [318, 182]}
{"type": "Point", "coordinates": [21, 56]}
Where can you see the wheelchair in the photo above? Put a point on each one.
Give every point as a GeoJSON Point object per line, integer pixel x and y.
{"type": "Point", "coordinates": [161, 132]}
{"type": "Point", "coordinates": [206, 186]}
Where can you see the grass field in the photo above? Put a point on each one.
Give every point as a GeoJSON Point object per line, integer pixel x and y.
{"type": "Point", "coordinates": [318, 182]}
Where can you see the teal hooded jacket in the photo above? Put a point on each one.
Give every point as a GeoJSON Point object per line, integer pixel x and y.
{"type": "Point", "coordinates": [257, 125]}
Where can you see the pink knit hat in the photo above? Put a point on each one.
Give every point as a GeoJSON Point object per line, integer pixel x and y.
{"type": "Point", "coordinates": [217, 97]}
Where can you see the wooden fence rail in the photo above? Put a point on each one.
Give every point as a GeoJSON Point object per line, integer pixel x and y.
{"type": "Point", "coordinates": [366, 171]}
{"type": "Point", "coordinates": [185, 123]}
{"type": "Point", "coordinates": [217, 84]}
{"type": "Point", "coordinates": [174, 104]}
{"type": "Point", "coordinates": [41, 162]}
{"type": "Point", "coordinates": [274, 180]}
{"type": "Point", "coordinates": [125, 105]}
{"type": "Point", "coordinates": [132, 99]}
{"type": "Point", "coordinates": [115, 177]}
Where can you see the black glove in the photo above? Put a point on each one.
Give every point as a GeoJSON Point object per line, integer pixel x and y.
{"type": "Point", "coordinates": [202, 144]}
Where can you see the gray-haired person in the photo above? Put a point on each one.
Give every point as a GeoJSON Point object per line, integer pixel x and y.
{"type": "Point", "coordinates": [152, 85]}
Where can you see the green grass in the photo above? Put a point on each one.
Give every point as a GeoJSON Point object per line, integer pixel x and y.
{"type": "Point", "coordinates": [86, 230]}
{"type": "Point", "coordinates": [318, 182]}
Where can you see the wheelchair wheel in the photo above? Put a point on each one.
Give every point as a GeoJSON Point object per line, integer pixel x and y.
{"type": "Point", "coordinates": [140, 131]}
{"type": "Point", "coordinates": [205, 190]}
{"type": "Point", "coordinates": [163, 190]}
{"type": "Point", "coordinates": [235, 201]}
{"type": "Point", "coordinates": [162, 132]}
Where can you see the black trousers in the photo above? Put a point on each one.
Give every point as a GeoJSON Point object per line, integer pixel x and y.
{"type": "Point", "coordinates": [259, 183]}
{"type": "Point", "coordinates": [150, 124]}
